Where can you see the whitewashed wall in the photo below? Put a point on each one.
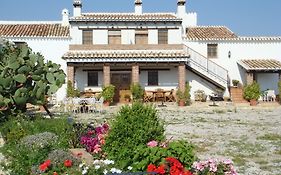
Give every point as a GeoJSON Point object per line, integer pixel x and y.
{"type": "Point", "coordinates": [100, 36]}
{"type": "Point", "coordinates": [241, 50]}
{"type": "Point", "coordinates": [81, 80]}
{"type": "Point", "coordinates": [128, 36]}
{"type": "Point", "coordinates": [52, 49]}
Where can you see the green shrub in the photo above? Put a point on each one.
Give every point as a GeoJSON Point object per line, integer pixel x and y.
{"type": "Point", "coordinates": [108, 93]}
{"type": "Point", "coordinates": [252, 91]}
{"type": "Point", "coordinates": [185, 95]}
{"type": "Point", "coordinates": [137, 91]}
{"type": "Point", "coordinates": [133, 126]}
{"type": "Point", "coordinates": [181, 150]}
{"type": "Point", "coordinates": [71, 91]}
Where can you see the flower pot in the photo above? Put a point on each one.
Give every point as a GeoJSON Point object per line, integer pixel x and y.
{"type": "Point", "coordinates": [253, 102]}
{"type": "Point", "coordinates": [106, 103]}
{"type": "Point", "coordinates": [181, 103]}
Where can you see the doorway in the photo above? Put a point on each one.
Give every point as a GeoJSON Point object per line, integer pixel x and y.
{"type": "Point", "coordinates": [122, 82]}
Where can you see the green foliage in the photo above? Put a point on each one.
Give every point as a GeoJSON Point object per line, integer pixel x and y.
{"type": "Point", "coordinates": [180, 150]}
{"type": "Point", "coordinates": [137, 91]}
{"type": "Point", "coordinates": [252, 91]}
{"type": "Point", "coordinates": [133, 126]}
{"type": "Point", "coordinates": [71, 91]}
{"type": "Point", "coordinates": [29, 140]}
{"type": "Point", "coordinates": [185, 95]}
{"type": "Point", "coordinates": [25, 78]}
{"type": "Point", "coordinates": [235, 82]}
{"type": "Point", "coordinates": [108, 93]}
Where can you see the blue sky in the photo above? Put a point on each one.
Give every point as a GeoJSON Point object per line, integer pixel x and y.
{"type": "Point", "coordinates": [244, 17]}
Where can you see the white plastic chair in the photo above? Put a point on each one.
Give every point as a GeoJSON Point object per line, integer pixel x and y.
{"type": "Point", "coordinates": [100, 104]}
{"type": "Point", "coordinates": [91, 104]}
{"type": "Point", "coordinates": [271, 95]}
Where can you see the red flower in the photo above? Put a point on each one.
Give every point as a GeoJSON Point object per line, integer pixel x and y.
{"type": "Point", "coordinates": [68, 163]}
{"type": "Point", "coordinates": [43, 167]}
{"type": "Point", "coordinates": [55, 173]}
{"type": "Point", "coordinates": [187, 173]}
{"type": "Point", "coordinates": [160, 169]}
{"type": "Point", "coordinates": [151, 168]}
{"type": "Point", "coordinates": [174, 162]}
{"type": "Point", "coordinates": [48, 162]}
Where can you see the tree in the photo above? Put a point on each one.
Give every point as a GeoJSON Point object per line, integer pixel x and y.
{"type": "Point", "coordinates": [25, 78]}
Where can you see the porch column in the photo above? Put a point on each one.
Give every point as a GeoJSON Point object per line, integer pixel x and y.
{"type": "Point", "coordinates": [182, 76]}
{"type": "Point", "coordinates": [106, 75]}
{"type": "Point", "coordinates": [135, 73]}
{"type": "Point", "coordinates": [249, 78]}
{"type": "Point", "coordinates": [70, 74]}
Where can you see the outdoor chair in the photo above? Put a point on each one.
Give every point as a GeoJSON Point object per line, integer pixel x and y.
{"type": "Point", "coordinates": [91, 104]}
{"type": "Point", "coordinates": [271, 95]}
{"type": "Point", "coordinates": [148, 97]}
{"type": "Point", "coordinates": [76, 106]}
{"type": "Point", "coordinates": [170, 97]}
{"type": "Point", "coordinates": [99, 105]}
{"type": "Point", "coordinates": [159, 95]}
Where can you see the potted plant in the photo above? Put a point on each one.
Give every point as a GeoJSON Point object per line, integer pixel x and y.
{"type": "Point", "coordinates": [137, 91]}
{"type": "Point", "coordinates": [184, 96]}
{"type": "Point", "coordinates": [235, 83]}
{"type": "Point", "coordinates": [200, 95]}
{"type": "Point", "coordinates": [252, 93]}
{"type": "Point", "coordinates": [108, 94]}
{"type": "Point", "coordinates": [127, 98]}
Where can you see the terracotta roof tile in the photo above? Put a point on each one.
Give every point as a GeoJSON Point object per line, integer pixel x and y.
{"type": "Point", "coordinates": [260, 64]}
{"type": "Point", "coordinates": [126, 17]}
{"type": "Point", "coordinates": [34, 30]}
{"type": "Point", "coordinates": [209, 32]}
{"type": "Point", "coordinates": [125, 54]}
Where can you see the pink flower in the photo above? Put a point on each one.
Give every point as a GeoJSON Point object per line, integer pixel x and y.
{"type": "Point", "coordinates": [152, 143]}
{"type": "Point", "coordinates": [97, 149]}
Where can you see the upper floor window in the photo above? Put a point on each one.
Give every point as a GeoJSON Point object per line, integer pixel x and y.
{"type": "Point", "coordinates": [87, 36]}
{"type": "Point", "coordinates": [93, 78]}
{"type": "Point", "coordinates": [162, 36]}
{"type": "Point", "coordinates": [114, 37]}
{"type": "Point", "coordinates": [141, 37]}
{"type": "Point", "coordinates": [212, 50]}
{"type": "Point", "coordinates": [152, 78]}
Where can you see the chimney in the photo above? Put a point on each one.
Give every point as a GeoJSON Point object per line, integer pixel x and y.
{"type": "Point", "coordinates": [77, 7]}
{"type": "Point", "coordinates": [65, 15]}
{"type": "Point", "coordinates": [181, 8]}
{"type": "Point", "coordinates": [138, 7]}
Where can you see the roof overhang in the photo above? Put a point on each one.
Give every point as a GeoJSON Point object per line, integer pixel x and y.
{"type": "Point", "coordinates": [262, 65]}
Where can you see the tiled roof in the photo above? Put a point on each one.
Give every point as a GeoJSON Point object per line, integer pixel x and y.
{"type": "Point", "coordinates": [260, 64]}
{"type": "Point", "coordinates": [125, 54]}
{"type": "Point", "coordinates": [209, 32]}
{"type": "Point", "coordinates": [33, 30]}
{"type": "Point", "coordinates": [126, 17]}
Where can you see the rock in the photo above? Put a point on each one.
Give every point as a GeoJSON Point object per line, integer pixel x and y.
{"type": "Point", "coordinates": [83, 155]}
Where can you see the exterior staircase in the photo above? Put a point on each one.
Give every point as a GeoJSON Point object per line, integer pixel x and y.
{"type": "Point", "coordinates": [206, 68]}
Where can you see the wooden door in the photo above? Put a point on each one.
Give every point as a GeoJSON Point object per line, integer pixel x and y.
{"type": "Point", "coordinates": [122, 82]}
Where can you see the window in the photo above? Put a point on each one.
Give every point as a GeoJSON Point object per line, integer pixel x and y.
{"type": "Point", "coordinates": [93, 78]}
{"type": "Point", "coordinates": [114, 37]}
{"type": "Point", "coordinates": [152, 78]}
{"type": "Point", "coordinates": [141, 37]}
{"type": "Point", "coordinates": [212, 50]}
{"type": "Point", "coordinates": [87, 36]}
{"type": "Point", "coordinates": [163, 36]}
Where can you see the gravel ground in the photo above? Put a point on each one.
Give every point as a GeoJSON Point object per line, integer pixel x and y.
{"type": "Point", "coordinates": [250, 136]}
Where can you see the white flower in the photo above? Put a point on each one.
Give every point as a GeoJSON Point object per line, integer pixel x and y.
{"type": "Point", "coordinates": [105, 172]}
{"type": "Point", "coordinates": [108, 162]}
{"type": "Point", "coordinates": [96, 162]}
{"type": "Point", "coordinates": [97, 167]}
{"type": "Point", "coordinates": [84, 171]}
{"type": "Point", "coordinates": [130, 168]}
{"type": "Point", "coordinates": [81, 165]}
{"type": "Point", "coordinates": [115, 170]}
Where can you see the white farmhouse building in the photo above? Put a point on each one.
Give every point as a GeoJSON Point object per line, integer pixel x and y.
{"type": "Point", "coordinates": [157, 50]}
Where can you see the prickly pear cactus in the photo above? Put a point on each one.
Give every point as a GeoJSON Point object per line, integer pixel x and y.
{"type": "Point", "coordinates": [25, 77]}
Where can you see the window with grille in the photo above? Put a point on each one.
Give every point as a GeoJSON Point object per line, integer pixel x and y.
{"type": "Point", "coordinates": [141, 37]}
{"type": "Point", "coordinates": [114, 37]}
{"type": "Point", "coordinates": [87, 36]}
{"type": "Point", "coordinates": [163, 36]}
{"type": "Point", "coordinates": [93, 78]}
{"type": "Point", "coordinates": [152, 78]}
{"type": "Point", "coordinates": [212, 50]}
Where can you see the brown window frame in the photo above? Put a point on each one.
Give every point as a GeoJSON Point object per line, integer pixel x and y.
{"type": "Point", "coordinates": [93, 78]}
{"type": "Point", "coordinates": [152, 78]}
{"type": "Point", "coordinates": [162, 36]}
{"type": "Point", "coordinates": [141, 36]}
{"type": "Point", "coordinates": [212, 50]}
{"type": "Point", "coordinates": [87, 37]}
{"type": "Point", "coordinates": [116, 34]}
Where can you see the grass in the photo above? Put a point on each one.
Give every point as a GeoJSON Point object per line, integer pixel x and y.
{"type": "Point", "coordinates": [270, 137]}
{"type": "Point", "coordinates": [219, 111]}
